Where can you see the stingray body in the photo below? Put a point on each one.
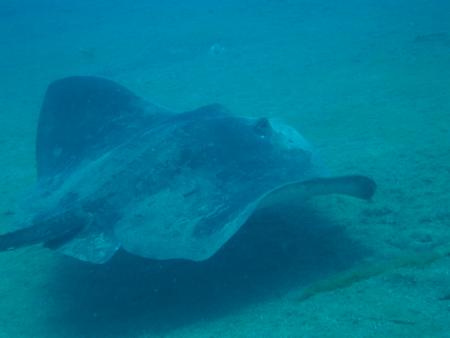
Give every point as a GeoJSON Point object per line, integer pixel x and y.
{"type": "Point", "coordinates": [115, 171]}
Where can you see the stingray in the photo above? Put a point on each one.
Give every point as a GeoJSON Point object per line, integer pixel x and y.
{"type": "Point", "coordinates": [115, 171]}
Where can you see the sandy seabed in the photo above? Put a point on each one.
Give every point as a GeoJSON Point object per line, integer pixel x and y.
{"type": "Point", "coordinates": [368, 84]}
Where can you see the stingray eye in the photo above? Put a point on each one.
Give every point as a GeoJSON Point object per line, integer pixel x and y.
{"type": "Point", "coordinates": [262, 127]}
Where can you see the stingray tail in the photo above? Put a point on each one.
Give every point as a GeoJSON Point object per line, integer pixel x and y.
{"type": "Point", "coordinates": [19, 238]}
{"type": "Point", "coordinates": [48, 233]}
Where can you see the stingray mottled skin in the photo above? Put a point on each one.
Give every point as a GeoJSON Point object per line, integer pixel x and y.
{"type": "Point", "coordinates": [117, 172]}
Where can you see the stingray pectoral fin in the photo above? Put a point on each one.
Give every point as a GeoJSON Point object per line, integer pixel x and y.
{"type": "Point", "coordinates": [353, 185]}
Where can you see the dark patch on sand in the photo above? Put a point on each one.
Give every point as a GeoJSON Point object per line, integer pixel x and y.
{"type": "Point", "coordinates": [272, 253]}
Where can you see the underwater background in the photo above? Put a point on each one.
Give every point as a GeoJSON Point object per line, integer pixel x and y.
{"type": "Point", "coordinates": [366, 82]}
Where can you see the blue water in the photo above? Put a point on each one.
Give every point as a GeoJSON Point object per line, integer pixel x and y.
{"type": "Point", "coordinates": [366, 82]}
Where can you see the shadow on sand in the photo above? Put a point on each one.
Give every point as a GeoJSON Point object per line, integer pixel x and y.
{"type": "Point", "coordinates": [273, 252]}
